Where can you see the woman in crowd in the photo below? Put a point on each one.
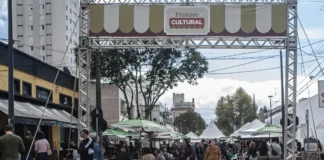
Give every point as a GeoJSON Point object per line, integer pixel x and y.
{"type": "Point", "coordinates": [147, 154]}
{"type": "Point", "coordinates": [213, 152]}
{"type": "Point", "coordinates": [186, 152]}
{"type": "Point", "coordinates": [252, 152]}
{"type": "Point", "coordinates": [263, 151]}
{"type": "Point", "coordinates": [199, 152]}
{"type": "Point", "coordinates": [159, 155]}
{"type": "Point", "coordinates": [42, 147]}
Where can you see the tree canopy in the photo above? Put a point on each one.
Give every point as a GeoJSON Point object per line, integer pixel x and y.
{"type": "Point", "coordinates": [190, 122]}
{"type": "Point", "coordinates": [148, 74]}
{"type": "Point", "coordinates": [234, 110]}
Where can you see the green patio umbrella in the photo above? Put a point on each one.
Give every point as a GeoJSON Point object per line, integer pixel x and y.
{"type": "Point", "coordinates": [141, 125]}
{"type": "Point", "coordinates": [114, 132]}
{"type": "Point", "coordinates": [268, 129]}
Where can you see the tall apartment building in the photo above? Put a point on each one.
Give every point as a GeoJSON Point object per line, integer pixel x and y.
{"type": "Point", "coordinates": [42, 28]}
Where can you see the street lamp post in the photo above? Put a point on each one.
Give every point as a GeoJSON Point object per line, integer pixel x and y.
{"type": "Point", "coordinates": [270, 109]}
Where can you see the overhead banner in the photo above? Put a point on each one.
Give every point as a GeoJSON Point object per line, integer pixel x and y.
{"type": "Point", "coordinates": [321, 93]}
{"type": "Point", "coordinates": [206, 20]}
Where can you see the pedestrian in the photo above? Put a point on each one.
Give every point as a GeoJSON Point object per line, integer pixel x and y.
{"type": "Point", "coordinates": [42, 147]}
{"type": "Point", "coordinates": [213, 152]}
{"type": "Point", "coordinates": [263, 152]}
{"type": "Point", "coordinates": [86, 148]}
{"type": "Point", "coordinates": [252, 152]}
{"type": "Point", "coordinates": [10, 144]}
{"type": "Point", "coordinates": [159, 155]}
{"type": "Point", "coordinates": [186, 151]}
{"type": "Point", "coordinates": [199, 152]}
{"type": "Point", "coordinates": [147, 154]}
{"type": "Point", "coordinates": [28, 139]}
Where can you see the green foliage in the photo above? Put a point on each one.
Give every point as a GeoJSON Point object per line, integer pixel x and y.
{"type": "Point", "coordinates": [190, 122]}
{"type": "Point", "coordinates": [234, 110]}
{"type": "Point", "coordinates": [148, 74]}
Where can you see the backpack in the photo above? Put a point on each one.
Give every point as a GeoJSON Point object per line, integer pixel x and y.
{"type": "Point", "coordinates": [273, 152]}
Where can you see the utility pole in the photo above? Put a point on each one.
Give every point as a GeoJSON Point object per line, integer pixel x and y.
{"type": "Point", "coordinates": [254, 107]}
{"type": "Point", "coordinates": [270, 108]}
{"type": "Point", "coordinates": [98, 98]}
{"type": "Point", "coordinates": [11, 98]}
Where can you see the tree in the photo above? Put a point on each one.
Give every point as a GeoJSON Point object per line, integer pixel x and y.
{"type": "Point", "coordinates": [234, 110]}
{"type": "Point", "coordinates": [149, 73]}
{"type": "Point", "coordinates": [190, 122]}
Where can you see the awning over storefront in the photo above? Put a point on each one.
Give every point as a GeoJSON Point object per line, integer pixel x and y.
{"type": "Point", "coordinates": [26, 113]}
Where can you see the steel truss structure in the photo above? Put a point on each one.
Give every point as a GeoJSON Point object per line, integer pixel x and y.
{"type": "Point", "coordinates": [88, 44]}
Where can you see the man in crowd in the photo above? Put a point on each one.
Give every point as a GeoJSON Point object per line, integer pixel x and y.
{"type": "Point", "coordinates": [10, 145]}
{"type": "Point", "coordinates": [86, 148]}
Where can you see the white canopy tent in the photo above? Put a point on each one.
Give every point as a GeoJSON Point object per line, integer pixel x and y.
{"type": "Point", "coordinates": [193, 137]}
{"type": "Point", "coordinates": [234, 134]}
{"type": "Point", "coordinates": [211, 132]}
{"type": "Point", "coordinates": [249, 129]}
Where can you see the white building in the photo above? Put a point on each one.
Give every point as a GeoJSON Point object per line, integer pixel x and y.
{"type": "Point", "coordinates": [303, 105]}
{"type": "Point", "coordinates": [42, 28]}
{"type": "Point", "coordinates": [161, 114]}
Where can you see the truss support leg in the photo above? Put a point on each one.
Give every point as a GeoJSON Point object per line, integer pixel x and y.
{"type": "Point", "coordinates": [84, 62]}
{"type": "Point", "coordinates": [290, 80]}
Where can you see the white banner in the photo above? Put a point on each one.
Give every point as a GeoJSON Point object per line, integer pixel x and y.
{"type": "Point", "coordinates": [321, 93]}
{"type": "Point", "coordinates": [186, 20]}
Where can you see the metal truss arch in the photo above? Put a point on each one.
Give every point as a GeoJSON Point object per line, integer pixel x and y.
{"type": "Point", "coordinates": [288, 42]}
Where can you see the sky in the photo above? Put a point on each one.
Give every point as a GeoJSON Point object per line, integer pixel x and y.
{"type": "Point", "coordinates": [262, 84]}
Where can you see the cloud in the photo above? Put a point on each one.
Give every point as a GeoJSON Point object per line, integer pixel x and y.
{"type": "Point", "coordinates": [209, 90]}
{"type": "Point", "coordinates": [312, 33]}
{"type": "Point", "coordinates": [3, 12]}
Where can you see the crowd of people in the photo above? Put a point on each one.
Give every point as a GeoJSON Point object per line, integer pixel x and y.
{"type": "Point", "coordinates": [13, 147]}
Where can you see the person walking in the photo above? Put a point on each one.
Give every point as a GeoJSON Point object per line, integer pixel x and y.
{"type": "Point", "coordinates": [263, 153]}
{"type": "Point", "coordinates": [86, 148]}
{"type": "Point", "coordinates": [213, 152]}
{"type": "Point", "coordinates": [252, 152]}
{"type": "Point", "coordinates": [42, 147]}
{"type": "Point", "coordinates": [28, 139]}
{"type": "Point", "coordinates": [274, 148]}
{"type": "Point", "coordinates": [10, 145]}
{"type": "Point", "coordinates": [186, 151]}
{"type": "Point", "coordinates": [200, 152]}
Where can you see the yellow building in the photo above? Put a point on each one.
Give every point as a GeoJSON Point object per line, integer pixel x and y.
{"type": "Point", "coordinates": [33, 82]}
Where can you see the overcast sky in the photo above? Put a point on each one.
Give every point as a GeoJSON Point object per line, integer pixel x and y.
{"type": "Point", "coordinates": [262, 84]}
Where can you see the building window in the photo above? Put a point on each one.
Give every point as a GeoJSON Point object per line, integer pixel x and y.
{"type": "Point", "coordinates": [48, 3]}
{"type": "Point", "coordinates": [17, 86]}
{"type": "Point", "coordinates": [48, 14]}
{"type": "Point", "coordinates": [48, 45]}
{"type": "Point", "coordinates": [27, 89]}
{"type": "Point", "coordinates": [70, 21]}
{"type": "Point", "coordinates": [31, 48]}
{"type": "Point", "coordinates": [42, 6]}
{"type": "Point", "coordinates": [20, 46]}
{"type": "Point", "coordinates": [19, 15]}
{"type": "Point", "coordinates": [65, 100]}
{"type": "Point", "coordinates": [43, 48]}
{"type": "Point", "coordinates": [74, 4]}
{"type": "Point", "coordinates": [66, 17]}
{"type": "Point", "coordinates": [30, 27]}
{"type": "Point", "coordinates": [67, 38]}
{"type": "Point", "coordinates": [43, 27]}
{"type": "Point", "coordinates": [43, 58]}
{"type": "Point", "coordinates": [42, 93]}
{"type": "Point", "coordinates": [19, 4]}
{"type": "Point", "coordinates": [70, 11]}
{"type": "Point", "coordinates": [20, 25]}
{"type": "Point", "coordinates": [20, 35]}
{"type": "Point", "coordinates": [48, 34]}
{"type": "Point", "coordinates": [66, 7]}
{"type": "Point", "coordinates": [67, 28]}
{"type": "Point", "coordinates": [48, 24]}
{"type": "Point", "coordinates": [30, 6]}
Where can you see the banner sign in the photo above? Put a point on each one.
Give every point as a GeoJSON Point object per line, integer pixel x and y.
{"type": "Point", "coordinates": [205, 20]}
{"type": "Point", "coordinates": [184, 20]}
{"type": "Point", "coordinates": [321, 93]}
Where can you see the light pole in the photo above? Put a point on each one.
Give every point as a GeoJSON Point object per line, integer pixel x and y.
{"type": "Point", "coordinates": [270, 109]}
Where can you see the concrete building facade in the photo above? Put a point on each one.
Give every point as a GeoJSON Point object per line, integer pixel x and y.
{"type": "Point", "coordinates": [36, 24]}
{"type": "Point", "coordinates": [113, 102]}
{"type": "Point", "coordinates": [180, 106]}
